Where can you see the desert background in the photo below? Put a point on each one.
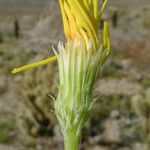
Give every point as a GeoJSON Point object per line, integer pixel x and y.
{"type": "Point", "coordinates": [120, 119]}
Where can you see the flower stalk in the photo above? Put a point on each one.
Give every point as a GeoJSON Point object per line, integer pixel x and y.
{"type": "Point", "coordinates": [72, 142]}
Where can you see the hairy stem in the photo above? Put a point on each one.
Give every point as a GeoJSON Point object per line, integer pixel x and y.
{"type": "Point", "coordinates": [72, 142]}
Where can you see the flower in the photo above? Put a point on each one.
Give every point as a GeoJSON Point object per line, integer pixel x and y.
{"type": "Point", "coordinates": [79, 61]}
{"type": "Point", "coordinates": [81, 21]}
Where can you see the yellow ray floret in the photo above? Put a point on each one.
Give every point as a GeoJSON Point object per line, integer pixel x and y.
{"type": "Point", "coordinates": [106, 36]}
{"type": "Point", "coordinates": [85, 20]}
{"type": "Point", "coordinates": [65, 20]}
{"type": "Point", "coordinates": [95, 7]}
{"type": "Point", "coordinates": [102, 9]}
{"type": "Point", "coordinates": [34, 65]}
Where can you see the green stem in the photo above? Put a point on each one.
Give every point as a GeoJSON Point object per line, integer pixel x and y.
{"type": "Point", "coordinates": [72, 143]}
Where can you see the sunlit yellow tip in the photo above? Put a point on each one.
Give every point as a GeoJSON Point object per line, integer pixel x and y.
{"type": "Point", "coordinates": [34, 65]}
{"type": "Point", "coordinates": [14, 71]}
{"type": "Point", "coordinates": [106, 36]}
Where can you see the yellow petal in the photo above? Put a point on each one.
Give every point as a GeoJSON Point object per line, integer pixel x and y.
{"type": "Point", "coordinates": [34, 65]}
{"type": "Point", "coordinates": [95, 6]}
{"type": "Point", "coordinates": [102, 9]}
{"type": "Point", "coordinates": [106, 36]}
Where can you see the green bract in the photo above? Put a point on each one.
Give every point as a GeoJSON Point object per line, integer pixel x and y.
{"type": "Point", "coordinates": [78, 71]}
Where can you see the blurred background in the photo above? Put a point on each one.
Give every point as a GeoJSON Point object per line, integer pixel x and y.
{"type": "Point", "coordinates": [120, 119]}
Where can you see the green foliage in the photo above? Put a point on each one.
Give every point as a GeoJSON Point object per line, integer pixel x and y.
{"type": "Point", "coordinates": [25, 56]}
{"type": "Point", "coordinates": [5, 130]}
{"type": "Point", "coordinates": [141, 105]}
{"type": "Point", "coordinates": [8, 55]}
{"type": "Point", "coordinates": [112, 70]}
{"type": "Point", "coordinates": [106, 104]}
{"type": "Point", "coordinates": [146, 83]}
{"type": "Point", "coordinates": [35, 119]}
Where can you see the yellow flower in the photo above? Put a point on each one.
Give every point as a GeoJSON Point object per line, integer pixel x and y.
{"type": "Point", "coordinates": [79, 62]}
{"type": "Point", "coordinates": [81, 19]}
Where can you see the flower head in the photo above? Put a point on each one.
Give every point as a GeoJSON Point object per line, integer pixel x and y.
{"type": "Point", "coordinates": [80, 60]}
{"type": "Point", "coordinates": [81, 19]}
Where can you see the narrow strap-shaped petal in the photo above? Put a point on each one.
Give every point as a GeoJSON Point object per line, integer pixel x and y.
{"type": "Point", "coordinates": [102, 9]}
{"type": "Point", "coordinates": [84, 20]}
{"type": "Point", "coordinates": [106, 41]}
{"type": "Point", "coordinates": [106, 36]}
{"type": "Point", "coordinates": [95, 6]}
{"type": "Point", "coordinates": [65, 19]}
{"type": "Point", "coordinates": [86, 3]}
{"type": "Point", "coordinates": [34, 65]}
